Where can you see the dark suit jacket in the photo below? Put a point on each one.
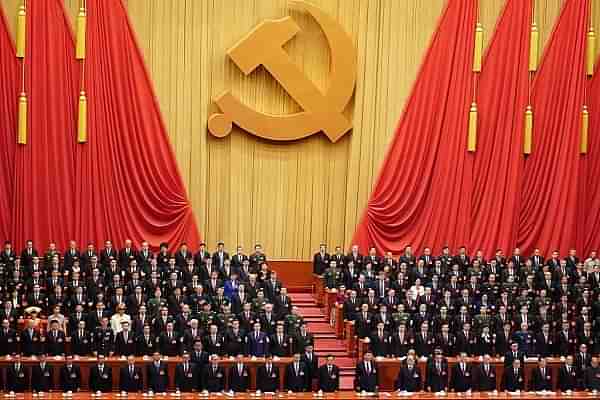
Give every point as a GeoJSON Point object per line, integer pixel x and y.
{"type": "Point", "coordinates": [214, 381]}
{"type": "Point", "coordinates": [157, 378]}
{"type": "Point", "coordinates": [329, 382]}
{"type": "Point", "coordinates": [511, 381]}
{"type": "Point", "coordinates": [486, 382]}
{"type": "Point", "coordinates": [462, 380]}
{"type": "Point", "coordinates": [186, 381]}
{"type": "Point", "coordinates": [410, 381]}
{"type": "Point", "coordinates": [296, 382]}
{"type": "Point", "coordinates": [237, 382]}
{"type": "Point", "coordinates": [42, 380]}
{"type": "Point", "coordinates": [55, 346]}
{"type": "Point", "coordinates": [366, 381]}
{"type": "Point", "coordinates": [70, 380]}
{"type": "Point", "coordinates": [123, 348]}
{"type": "Point", "coordinates": [30, 345]}
{"type": "Point", "coordinates": [17, 381]}
{"type": "Point", "coordinates": [437, 381]}
{"type": "Point", "coordinates": [129, 382]}
{"type": "Point", "coordinates": [267, 382]}
{"type": "Point", "coordinates": [538, 382]}
{"type": "Point", "coordinates": [258, 347]}
{"type": "Point", "coordinates": [100, 381]}
{"type": "Point", "coordinates": [566, 380]}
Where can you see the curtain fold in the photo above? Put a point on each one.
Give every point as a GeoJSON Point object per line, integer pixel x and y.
{"type": "Point", "coordinates": [9, 91]}
{"type": "Point", "coordinates": [44, 167]}
{"type": "Point", "coordinates": [127, 181]}
{"type": "Point", "coordinates": [422, 195]}
{"type": "Point", "coordinates": [498, 162]}
{"type": "Point", "coordinates": [549, 189]}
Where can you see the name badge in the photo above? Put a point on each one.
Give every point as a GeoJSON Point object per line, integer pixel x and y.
{"type": "Point", "coordinates": [130, 341]}
{"type": "Point", "coordinates": [301, 373]}
{"type": "Point", "coordinates": [273, 375]}
{"type": "Point", "coordinates": [35, 339]}
{"type": "Point", "coordinates": [260, 341]}
{"type": "Point", "coordinates": [59, 340]}
{"type": "Point", "coordinates": [73, 376]}
{"type": "Point", "coordinates": [161, 373]}
{"type": "Point", "coordinates": [245, 373]}
{"type": "Point", "coordinates": [218, 345]}
{"type": "Point", "coordinates": [21, 375]}
{"type": "Point", "coordinates": [189, 375]}
{"type": "Point", "coordinates": [85, 340]}
{"type": "Point", "coordinates": [104, 376]}
{"type": "Point", "coordinates": [174, 342]}
{"type": "Point", "coordinates": [467, 374]}
{"type": "Point", "coordinates": [415, 376]}
{"type": "Point", "coordinates": [9, 340]}
{"type": "Point", "coordinates": [219, 375]}
{"type": "Point", "coordinates": [136, 376]}
{"type": "Point", "coordinates": [46, 374]}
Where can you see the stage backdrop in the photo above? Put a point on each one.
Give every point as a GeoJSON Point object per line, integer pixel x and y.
{"type": "Point", "coordinates": [291, 196]}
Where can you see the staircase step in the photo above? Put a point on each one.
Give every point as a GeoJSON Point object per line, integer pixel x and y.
{"type": "Point", "coordinates": [346, 383]}
{"type": "Point", "coordinates": [302, 296]}
{"type": "Point", "coordinates": [321, 326]}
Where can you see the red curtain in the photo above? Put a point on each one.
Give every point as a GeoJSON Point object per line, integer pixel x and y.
{"type": "Point", "coordinates": [9, 90]}
{"type": "Point", "coordinates": [44, 167]}
{"type": "Point", "coordinates": [422, 195]}
{"type": "Point", "coordinates": [501, 97]}
{"type": "Point", "coordinates": [589, 204]}
{"type": "Point", "coordinates": [127, 180]}
{"type": "Point", "coordinates": [549, 203]}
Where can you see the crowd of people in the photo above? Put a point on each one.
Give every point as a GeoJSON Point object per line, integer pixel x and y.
{"type": "Point", "coordinates": [131, 302]}
{"type": "Point", "coordinates": [514, 307]}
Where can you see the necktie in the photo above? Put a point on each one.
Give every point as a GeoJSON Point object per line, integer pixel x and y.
{"type": "Point", "coordinates": [131, 370]}
{"type": "Point", "coordinates": [329, 369]}
{"type": "Point", "coordinates": [543, 372]}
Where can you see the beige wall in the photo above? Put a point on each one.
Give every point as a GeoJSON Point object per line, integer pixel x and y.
{"type": "Point", "coordinates": [292, 196]}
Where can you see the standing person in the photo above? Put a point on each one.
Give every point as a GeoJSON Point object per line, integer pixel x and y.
{"type": "Point", "coordinates": [437, 374]}
{"type": "Point", "coordinates": [267, 376]}
{"type": "Point", "coordinates": [157, 374]}
{"type": "Point", "coordinates": [130, 377]}
{"type": "Point", "coordinates": [409, 378]}
{"type": "Point", "coordinates": [366, 374]}
{"type": "Point", "coordinates": [100, 376]}
{"type": "Point", "coordinates": [296, 375]}
{"type": "Point", "coordinates": [42, 375]}
{"type": "Point", "coordinates": [239, 375]}
{"type": "Point", "coordinates": [214, 376]}
{"type": "Point", "coordinates": [486, 375]}
{"type": "Point", "coordinates": [70, 376]}
{"type": "Point", "coordinates": [186, 375]}
{"type": "Point", "coordinates": [329, 376]}
{"type": "Point", "coordinates": [17, 376]}
{"type": "Point", "coordinates": [541, 377]}
{"type": "Point", "coordinates": [513, 377]}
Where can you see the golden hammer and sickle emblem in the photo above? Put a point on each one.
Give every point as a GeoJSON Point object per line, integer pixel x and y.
{"type": "Point", "coordinates": [322, 111]}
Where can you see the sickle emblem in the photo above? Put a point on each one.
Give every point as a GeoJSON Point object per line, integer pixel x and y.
{"type": "Point", "coordinates": [322, 111]}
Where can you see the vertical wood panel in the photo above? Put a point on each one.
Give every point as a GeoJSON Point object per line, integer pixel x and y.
{"type": "Point", "coordinates": [289, 197]}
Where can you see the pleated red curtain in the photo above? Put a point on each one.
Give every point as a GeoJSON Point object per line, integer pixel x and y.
{"type": "Point", "coordinates": [422, 195]}
{"type": "Point", "coordinates": [498, 162]}
{"type": "Point", "coordinates": [45, 166]}
{"type": "Point", "coordinates": [127, 181]}
{"type": "Point", "coordinates": [9, 90]}
{"type": "Point", "coordinates": [549, 192]}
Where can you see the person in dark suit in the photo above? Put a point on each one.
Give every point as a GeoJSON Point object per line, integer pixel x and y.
{"type": "Point", "coordinates": [296, 375]}
{"type": "Point", "coordinates": [17, 376]}
{"type": "Point", "coordinates": [214, 376]}
{"type": "Point", "coordinates": [437, 374]}
{"type": "Point", "coordinates": [311, 360]}
{"type": "Point", "coordinates": [70, 376]}
{"type": "Point", "coordinates": [186, 375]}
{"type": "Point", "coordinates": [130, 377]}
{"type": "Point", "coordinates": [321, 260]}
{"type": "Point", "coordinates": [28, 254]}
{"type": "Point", "coordinates": [125, 341]}
{"type": "Point", "coordinates": [31, 343]}
{"type": "Point", "coordinates": [462, 374]}
{"type": "Point", "coordinates": [513, 378]}
{"type": "Point", "coordinates": [486, 375]}
{"type": "Point", "coordinates": [591, 380]}
{"type": "Point", "coordinates": [513, 354]}
{"type": "Point", "coordinates": [157, 374]}
{"type": "Point", "coordinates": [100, 376]}
{"type": "Point", "coordinates": [541, 377]}
{"type": "Point", "coordinates": [329, 376]}
{"type": "Point", "coordinates": [42, 375]}
{"type": "Point", "coordinates": [239, 375]}
{"type": "Point", "coordinates": [55, 340]}
{"type": "Point", "coordinates": [8, 338]}
{"type": "Point", "coordinates": [409, 377]}
{"type": "Point", "coordinates": [267, 376]}
{"type": "Point", "coordinates": [567, 375]}
{"type": "Point", "coordinates": [366, 374]}
{"type": "Point", "coordinates": [257, 342]}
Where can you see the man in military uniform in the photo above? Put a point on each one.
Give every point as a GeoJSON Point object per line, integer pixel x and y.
{"type": "Point", "coordinates": [332, 276]}
{"type": "Point", "coordinates": [103, 339]}
{"type": "Point", "coordinates": [206, 316]}
{"type": "Point", "coordinates": [293, 321]}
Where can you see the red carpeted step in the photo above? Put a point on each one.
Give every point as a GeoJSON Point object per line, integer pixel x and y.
{"type": "Point", "coordinates": [329, 344]}
{"type": "Point", "coordinates": [302, 297]}
{"type": "Point", "coordinates": [311, 312]}
{"type": "Point", "coordinates": [346, 382]}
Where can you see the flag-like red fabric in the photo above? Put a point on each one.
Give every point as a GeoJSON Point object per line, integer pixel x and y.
{"type": "Point", "coordinates": [127, 181]}
{"type": "Point", "coordinates": [44, 167]}
{"type": "Point", "coordinates": [9, 91]}
{"type": "Point", "coordinates": [549, 201]}
{"type": "Point", "coordinates": [498, 162]}
{"type": "Point", "coordinates": [422, 195]}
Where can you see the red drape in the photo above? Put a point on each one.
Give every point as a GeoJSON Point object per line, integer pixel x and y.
{"type": "Point", "coordinates": [589, 203]}
{"type": "Point", "coordinates": [422, 195]}
{"type": "Point", "coordinates": [127, 180]}
{"type": "Point", "coordinates": [9, 89]}
{"type": "Point", "coordinates": [44, 167]}
{"type": "Point", "coordinates": [549, 187]}
{"type": "Point", "coordinates": [502, 98]}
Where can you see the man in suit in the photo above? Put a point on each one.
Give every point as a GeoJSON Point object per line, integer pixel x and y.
{"type": "Point", "coordinates": [321, 260]}
{"type": "Point", "coordinates": [70, 376]}
{"type": "Point", "coordinates": [239, 375]}
{"type": "Point", "coordinates": [311, 360]}
{"type": "Point", "coordinates": [486, 375]}
{"type": "Point", "coordinates": [186, 375]}
{"type": "Point", "coordinates": [31, 343]}
{"type": "Point", "coordinates": [130, 377]}
{"type": "Point", "coordinates": [8, 338]}
{"type": "Point", "coordinates": [81, 340]}
{"type": "Point", "coordinates": [267, 376]}
{"type": "Point", "coordinates": [214, 376]}
{"type": "Point", "coordinates": [125, 341]}
{"type": "Point", "coordinates": [157, 374]}
{"type": "Point", "coordinates": [462, 376]}
{"type": "Point", "coordinates": [296, 375]}
{"type": "Point", "coordinates": [100, 376]}
{"type": "Point", "coordinates": [567, 375]}
{"type": "Point", "coordinates": [28, 254]}
{"type": "Point", "coordinates": [437, 373]}
{"type": "Point", "coordinates": [366, 374]}
{"type": "Point", "coordinates": [257, 342]}
{"type": "Point", "coordinates": [513, 379]}
{"type": "Point", "coordinates": [329, 376]}
{"type": "Point", "coordinates": [55, 340]}
{"type": "Point", "coordinates": [514, 354]}
{"type": "Point", "coordinates": [541, 377]}
{"type": "Point", "coordinates": [409, 377]}
{"type": "Point", "coordinates": [42, 376]}
{"type": "Point", "coordinates": [219, 256]}
{"type": "Point", "coordinates": [591, 380]}
{"type": "Point", "coordinates": [17, 376]}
